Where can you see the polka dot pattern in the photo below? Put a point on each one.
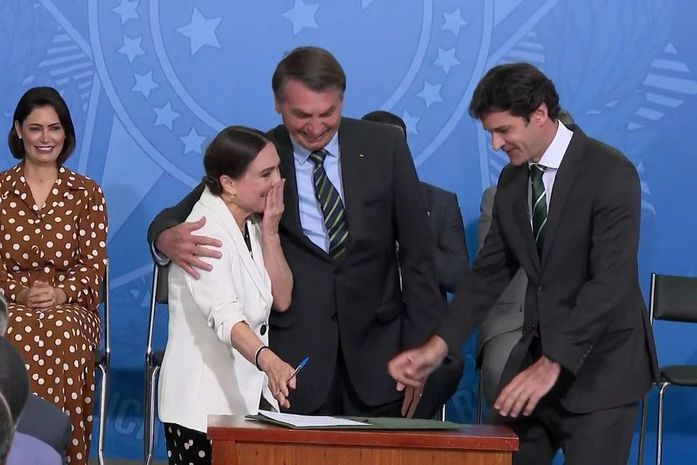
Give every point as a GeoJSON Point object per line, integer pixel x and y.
{"type": "Point", "coordinates": [49, 243]}
{"type": "Point", "coordinates": [69, 386]}
{"type": "Point", "coordinates": [186, 446]}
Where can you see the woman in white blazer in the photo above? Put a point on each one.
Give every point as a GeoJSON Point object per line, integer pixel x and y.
{"type": "Point", "coordinates": [217, 360]}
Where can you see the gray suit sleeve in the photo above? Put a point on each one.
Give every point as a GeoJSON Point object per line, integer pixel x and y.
{"type": "Point", "coordinates": [485, 209]}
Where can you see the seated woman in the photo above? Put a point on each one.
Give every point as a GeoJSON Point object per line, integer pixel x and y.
{"type": "Point", "coordinates": [53, 229]}
{"type": "Point", "coordinates": [216, 360]}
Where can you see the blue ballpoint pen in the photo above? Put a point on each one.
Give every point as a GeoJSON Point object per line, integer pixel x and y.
{"type": "Point", "coordinates": [300, 366]}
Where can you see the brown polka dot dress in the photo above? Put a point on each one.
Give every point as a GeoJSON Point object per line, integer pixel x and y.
{"type": "Point", "coordinates": [64, 244]}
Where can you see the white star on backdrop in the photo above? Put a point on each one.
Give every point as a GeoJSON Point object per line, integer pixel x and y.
{"type": "Point", "coordinates": [165, 115]}
{"type": "Point", "coordinates": [200, 31]}
{"type": "Point", "coordinates": [131, 48]}
{"type": "Point", "coordinates": [446, 59]}
{"type": "Point", "coordinates": [192, 142]}
{"type": "Point", "coordinates": [144, 84]}
{"type": "Point", "coordinates": [453, 22]}
{"type": "Point", "coordinates": [127, 10]}
{"type": "Point", "coordinates": [302, 16]}
{"type": "Point", "coordinates": [430, 94]}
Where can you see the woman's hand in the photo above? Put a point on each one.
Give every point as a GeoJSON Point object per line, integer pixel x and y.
{"type": "Point", "coordinates": [41, 296]}
{"type": "Point", "coordinates": [279, 374]}
{"type": "Point", "coordinates": [273, 209]}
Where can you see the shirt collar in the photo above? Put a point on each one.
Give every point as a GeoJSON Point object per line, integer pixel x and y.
{"type": "Point", "coordinates": [302, 154]}
{"type": "Point", "coordinates": [554, 154]}
{"type": "Point", "coordinates": [17, 183]}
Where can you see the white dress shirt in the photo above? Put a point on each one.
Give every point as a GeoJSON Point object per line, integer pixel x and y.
{"type": "Point", "coordinates": [311, 217]}
{"type": "Point", "coordinates": [551, 159]}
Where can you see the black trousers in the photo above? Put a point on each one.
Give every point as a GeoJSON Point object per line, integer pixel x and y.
{"type": "Point", "coordinates": [599, 437]}
{"type": "Point", "coordinates": [343, 399]}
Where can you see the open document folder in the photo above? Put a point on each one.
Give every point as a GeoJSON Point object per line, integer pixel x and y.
{"type": "Point", "coordinates": [290, 420]}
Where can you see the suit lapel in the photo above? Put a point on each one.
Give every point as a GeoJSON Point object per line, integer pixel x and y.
{"type": "Point", "coordinates": [351, 175]}
{"type": "Point", "coordinates": [563, 182]}
{"type": "Point", "coordinates": [518, 201]}
{"type": "Point", "coordinates": [291, 213]}
{"type": "Point", "coordinates": [290, 221]}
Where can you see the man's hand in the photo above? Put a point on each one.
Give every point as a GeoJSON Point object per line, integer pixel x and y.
{"type": "Point", "coordinates": [412, 367]}
{"type": "Point", "coordinates": [412, 397]}
{"type": "Point", "coordinates": [527, 388]}
{"type": "Point", "coordinates": [181, 246]}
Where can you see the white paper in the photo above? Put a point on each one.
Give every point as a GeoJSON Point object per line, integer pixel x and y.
{"type": "Point", "coordinates": [309, 421]}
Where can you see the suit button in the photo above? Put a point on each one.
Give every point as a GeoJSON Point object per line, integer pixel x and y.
{"type": "Point", "coordinates": [540, 288]}
{"type": "Point", "coordinates": [338, 271]}
{"type": "Point", "coordinates": [262, 330]}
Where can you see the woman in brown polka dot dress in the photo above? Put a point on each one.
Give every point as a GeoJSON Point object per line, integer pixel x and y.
{"type": "Point", "coordinates": [53, 231]}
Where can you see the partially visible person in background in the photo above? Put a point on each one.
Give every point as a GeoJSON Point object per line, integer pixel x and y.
{"type": "Point", "coordinates": [6, 429]}
{"type": "Point", "coordinates": [14, 388]}
{"type": "Point", "coordinates": [52, 259]}
{"type": "Point", "coordinates": [24, 448]}
{"type": "Point", "coordinates": [217, 360]}
{"type": "Point", "coordinates": [502, 328]}
{"type": "Point", "coordinates": [450, 252]}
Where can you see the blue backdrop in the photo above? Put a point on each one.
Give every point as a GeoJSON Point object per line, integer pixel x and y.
{"type": "Point", "coordinates": [149, 82]}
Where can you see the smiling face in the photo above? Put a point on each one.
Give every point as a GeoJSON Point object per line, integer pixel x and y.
{"type": "Point", "coordinates": [42, 136]}
{"type": "Point", "coordinates": [249, 191]}
{"type": "Point", "coordinates": [311, 118]}
{"type": "Point", "coordinates": [522, 140]}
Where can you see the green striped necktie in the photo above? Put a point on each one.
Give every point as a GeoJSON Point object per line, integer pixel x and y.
{"type": "Point", "coordinates": [331, 205]}
{"type": "Point", "coordinates": [539, 204]}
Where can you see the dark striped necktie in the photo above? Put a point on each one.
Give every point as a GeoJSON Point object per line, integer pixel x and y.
{"type": "Point", "coordinates": [331, 205]}
{"type": "Point", "coordinates": [539, 205]}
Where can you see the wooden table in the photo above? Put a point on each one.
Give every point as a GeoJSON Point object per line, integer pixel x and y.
{"type": "Point", "coordinates": [240, 442]}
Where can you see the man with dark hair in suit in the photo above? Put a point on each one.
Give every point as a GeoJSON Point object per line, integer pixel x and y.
{"type": "Point", "coordinates": [503, 326]}
{"type": "Point", "coordinates": [450, 248]}
{"type": "Point", "coordinates": [351, 192]}
{"type": "Point", "coordinates": [586, 356]}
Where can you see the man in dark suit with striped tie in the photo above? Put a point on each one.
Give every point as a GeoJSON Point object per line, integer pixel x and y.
{"type": "Point", "coordinates": [567, 210]}
{"type": "Point", "coordinates": [351, 193]}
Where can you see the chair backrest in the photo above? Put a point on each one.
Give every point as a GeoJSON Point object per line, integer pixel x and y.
{"type": "Point", "coordinates": [159, 295]}
{"type": "Point", "coordinates": [673, 298]}
{"type": "Point", "coordinates": [104, 295]}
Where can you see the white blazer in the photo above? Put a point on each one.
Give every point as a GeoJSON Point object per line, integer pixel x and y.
{"type": "Point", "coordinates": [201, 372]}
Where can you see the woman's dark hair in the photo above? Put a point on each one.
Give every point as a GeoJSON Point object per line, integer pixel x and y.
{"type": "Point", "coordinates": [38, 97]}
{"type": "Point", "coordinates": [230, 153]}
{"type": "Point", "coordinates": [315, 67]}
{"type": "Point", "coordinates": [519, 88]}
